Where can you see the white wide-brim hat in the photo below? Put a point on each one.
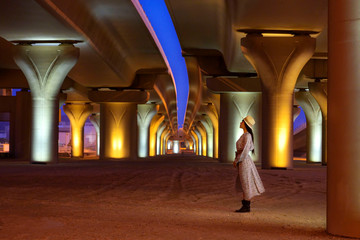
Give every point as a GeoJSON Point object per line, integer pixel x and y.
{"type": "Point", "coordinates": [250, 121]}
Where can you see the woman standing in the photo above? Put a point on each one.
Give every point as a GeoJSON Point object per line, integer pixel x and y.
{"type": "Point", "coordinates": [248, 180]}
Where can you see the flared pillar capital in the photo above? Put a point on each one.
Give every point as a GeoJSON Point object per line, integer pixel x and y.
{"type": "Point", "coordinates": [278, 59]}
{"type": "Point", "coordinates": [45, 67]}
{"type": "Point", "coordinates": [319, 91]}
{"type": "Point", "coordinates": [77, 114]}
{"type": "Point", "coordinates": [310, 106]}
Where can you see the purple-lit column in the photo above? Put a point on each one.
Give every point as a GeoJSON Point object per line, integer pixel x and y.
{"type": "Point", "coordinates": [95, 120]}
{"type": "Point", "coordinates": [343, 166]}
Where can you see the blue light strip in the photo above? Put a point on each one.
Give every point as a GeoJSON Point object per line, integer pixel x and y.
{"type": "Point", "coordinates": [160, 19]}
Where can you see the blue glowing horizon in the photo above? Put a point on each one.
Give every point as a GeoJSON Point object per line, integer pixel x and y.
{"type": "Point", "coordinates": [159, 17]}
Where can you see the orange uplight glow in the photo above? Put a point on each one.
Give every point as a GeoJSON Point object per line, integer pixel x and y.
{"type": "Point", "coordinates": [77, 142]}
{"type": "Point", "coordinates": [117, 145]}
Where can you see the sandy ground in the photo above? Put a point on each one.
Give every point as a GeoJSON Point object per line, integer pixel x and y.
{"type": "Point", "coordinates": [173, 198]}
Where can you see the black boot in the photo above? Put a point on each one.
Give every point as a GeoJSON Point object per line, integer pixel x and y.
{"type": "Point", "coordinates": [245, 206]}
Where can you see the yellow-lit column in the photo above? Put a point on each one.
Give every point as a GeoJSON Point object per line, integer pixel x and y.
{"type": "Point", "coordinates": [77, 114]}
{"type": "Point", "coordinates": [45, 68]}
{"type": "Point", "coordinates": [278, 62]}
{"type": "Point", "coordinates": [214, 117]}
{"type": "Point", "coordinates": [343, 165]}
{"type": "Point", "coordinates": [162, 141]}
{"type": "Point", "coordinates": [192, 143]}
{"type": "Point", "coordinates": [196, 143]}
{"type": "Point", "coordinates": [95, 120]}
{"type": "Point", "coordinates": [313, 125]}
{"type": "Point", "coordinates": [319, 91]}
{"type": "Point", "coordinates": [158, 137]}
{"type": "Point", "coordinates": [206, 123]}
{"type": "Point", "coordinates": [234, 107]}
{"type": "Point", "coordinates": [145, 114]}
{"type": "Point", "coordinates": [202, 132]}
{"type": "Point", "coordinates": [154, 126]}
{"type": "Point", "coordinates": [118, 130]}
{"type": "Point", "coordinates": [199, 141]}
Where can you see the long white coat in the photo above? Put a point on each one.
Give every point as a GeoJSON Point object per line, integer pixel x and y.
{"type": "Point", "coordinates": [248, 180]}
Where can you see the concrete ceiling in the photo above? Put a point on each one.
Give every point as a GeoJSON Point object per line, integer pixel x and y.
{"type": "Point", "coordinates": [116, 48]}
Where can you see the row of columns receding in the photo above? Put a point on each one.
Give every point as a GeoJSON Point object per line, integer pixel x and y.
{"type": "Point", "coordinates": [278, 62]}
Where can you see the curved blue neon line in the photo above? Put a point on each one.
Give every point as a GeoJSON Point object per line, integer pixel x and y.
{"type": "Point", "coordinates": [160, 19]}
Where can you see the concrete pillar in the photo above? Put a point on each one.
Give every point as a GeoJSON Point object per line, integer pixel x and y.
{"type": "Point", "coordinates": [278, 61]}
{"type": "Point", "coordinates": [165, 140]}
{"type": "Point", "coordinates": [204, 141]}
{"type": "Point", "coordinates": [313, 126]}
{"type": "Point", "coordinates": [206, 122]}
{"type": "Point", "coordinates": [343, 166]}
{"type": "Point", "coordinates": [192, 144]}
{"type": "Point", "coordinates": [196, 142]}
{"type": "Point", "coordinates": [234, 107]}
{"type": "Point", "coordinates": [77, 114]}
{"type": "Point", "coordinates": [118, 130]}
{"type": "Point", "coordinates": [199, 141]}
{"type": "Point", "coordinates": [158, 137]}
{"type": "Point", "coordinates": [162, 141]}
{"type": "Point", "coordinates": [214, 117]}
{"type": "Point", "coordinates": [23, 123]}
{"type": "Point", "coordinates": [145, 113]}
{"type": "Point", "coordinates": [319, 91]}
{"type": "Point", "coordinates": [154, 126]}
{"type": "Point", "coordinates": [45, 68]}
{"type": "Point", "coordinates": [95, 120]}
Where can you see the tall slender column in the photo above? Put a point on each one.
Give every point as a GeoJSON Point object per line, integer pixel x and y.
{"type": "Point", "coordinates": [213, 115]}
{"type": "Point", "coordinates": [154, 126]}
{"type": "Point", "coordinates": [196, 143]}
{"type": "Point", "coordinates": [234, 107]}
{"type": "Point", "coordinates": [278, 61]}
{"type": "Point", "coordinates": [343, 166]}
{"type": "Point", "coordinates": [202, 132]}
{"type": "Point", "coordinates": [23, 125]}
{"type": "Point", "coordinates": [162, 141]}
{"type": "Point", "coordinates": [206, 122]}
{"type": "Point", "coordinates": [95, 120]}
{"type": "Point", "coordinates": [200, 151]}
{"type": "Point", "coordinates": [77, 114]}
{"type": "Point", "coordinates": [158, 137]}
{"type": "Point", "coordinates": [313, 125]}
{"type": "Point", "coordinates": [319, 91]}
{"type": "Point", "coordinates": [165, 141]}
{"type": "Point", "coordinates": [118, 130]}
{"type": "Point", "coordinates": [145, 113]}
{"type": "Point", "coordinates": [45, 68]}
